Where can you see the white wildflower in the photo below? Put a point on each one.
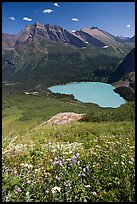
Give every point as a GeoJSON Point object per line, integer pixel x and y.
{"type": "Point", "coordinates": [87, 186]}
{"type": "Point", "coordinates": [46, 191]}
{"type": "Point", "coordinates": [94, 193]}
{"type": "Point", "coordinates": [18, 190]}
{"type": "Point", "coordinates": [122, 163]}
{"type": "Point", "coordinates": [130, 162]}
{"type": "Point", "coordinates": [8, 197]}
{"type": "Point", "coordinates": [67, 183]}
{"type": "Point", "coordinates": [132, 159]}
{"type": "Point", "coordinates": [55, 189]}
{"type": "Point", "coordinates": [26, 165]}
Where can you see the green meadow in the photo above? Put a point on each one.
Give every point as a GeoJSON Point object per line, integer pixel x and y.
{"type": "Point", "coordinates": [92, 160]}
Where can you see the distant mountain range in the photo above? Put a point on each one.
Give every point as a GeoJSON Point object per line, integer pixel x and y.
{"type": "Point", "coordinates": [45, 55]}
{"type": "Point", "coordinates": [82, 38]}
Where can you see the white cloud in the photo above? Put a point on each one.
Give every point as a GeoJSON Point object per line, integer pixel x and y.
{"type": "Point", "coordinates": [128, 26]}
{"type": "Point", "coordinates": [73, 31]}
{"type": "Point", "coordinates": [12, 18]}
{"type": "Point", "coordinates": [56, 4]}
{"type": "Point", "coordinates": [27, 19]}
{"type": "Point", "coordinates": [74, 19]}
{"type": "Point", "coordinates": [47, 11]}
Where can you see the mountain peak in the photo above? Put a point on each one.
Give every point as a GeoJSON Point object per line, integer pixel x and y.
{"type": "Point", "coordinates": [38, 25]}
{"type": "Point", "coordinates": [94, 27]}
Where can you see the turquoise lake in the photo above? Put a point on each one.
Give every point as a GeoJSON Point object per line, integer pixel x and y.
{"type": "Point", "coordinates": [91, 92]}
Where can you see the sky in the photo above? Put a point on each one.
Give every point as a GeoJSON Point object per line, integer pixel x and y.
{"type": "Point", "coordinates": [117, 18]}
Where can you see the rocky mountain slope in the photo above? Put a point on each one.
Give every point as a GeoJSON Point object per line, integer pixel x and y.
{"type": "Point", "coordinates": [125, 69]}
{"type": "Point", "coordinates": [123, 78]}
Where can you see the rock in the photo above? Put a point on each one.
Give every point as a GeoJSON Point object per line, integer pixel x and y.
{"type": "Point", "coordinates": [63, 118]}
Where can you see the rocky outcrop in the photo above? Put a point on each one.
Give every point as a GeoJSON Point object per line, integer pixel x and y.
{"type": "Point", "coordinates": [63, 118]}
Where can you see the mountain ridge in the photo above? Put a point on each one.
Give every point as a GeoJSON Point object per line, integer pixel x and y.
{"type": "Point", "coordinates": [84, 37]}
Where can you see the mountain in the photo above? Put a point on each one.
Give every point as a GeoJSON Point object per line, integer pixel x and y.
{"type": "Point", "coordinates": [82, 38]}
{"type": "Point", "coordinates": [49, 32]}
{"type": "Point", "coordinates": [50, 55]}
{"type": "Point", "coordinates": [89, 39]}
{"type": "Point", "coordinates": [99, 34]}
{"type": "Point", "coordinates": [8, 40]}
{"type": "Point", "coordinates": [127, 66]}
{"type": "Point", "coordinates": [132, 39]}
{"type": "Point", "coordinates": [123, 78]}
{"type": "Point", "coordinates": [125, 39]}
{"type": "Point", "coordinates": [106, 37]}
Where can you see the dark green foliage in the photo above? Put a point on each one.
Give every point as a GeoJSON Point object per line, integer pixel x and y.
{"type": "Point", "coordinates": [49, 63]}
{"type": "Point", "coordinates": [126, 92]}
{"type": "Point", "coordinates": [125, 112]}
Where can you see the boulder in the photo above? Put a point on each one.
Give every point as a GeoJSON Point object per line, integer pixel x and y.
{"type": "Point", "coordinates": [63, 118]}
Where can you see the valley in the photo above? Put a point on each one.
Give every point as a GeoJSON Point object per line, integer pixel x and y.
{"type": "Point", "coordinates": [90, 160]}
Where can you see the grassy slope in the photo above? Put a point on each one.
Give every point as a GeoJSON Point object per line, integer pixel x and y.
{"type": "Point", "coordinates": [87, 162]}
{"type": "Point", "coordinates": [21, 112]}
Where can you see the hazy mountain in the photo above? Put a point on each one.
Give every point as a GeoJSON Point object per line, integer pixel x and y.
{"type": "Point", "coordinates": [125, 39]}
{"type": "Point", "coordinates": [8, 40]}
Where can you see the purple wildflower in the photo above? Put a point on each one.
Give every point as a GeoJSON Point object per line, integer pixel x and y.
{"type": "Point", "coordinates": [57, 177]}
{"type": "Point", "coordinates": [58, 162]}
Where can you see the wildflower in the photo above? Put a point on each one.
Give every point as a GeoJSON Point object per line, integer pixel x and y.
{"type": "Point", "coordinates": [132, 159]}
{"type": "Point", "coordinates": [58, 162]}
{"type": "Point", "coordinates": [55, 189]}
{"type": "Point", "coordinates": [67, 183]}
{"type": "Point", "coordinates": [26, 165]}
{"type": "Point", "coordinates": [79, 174]}
{"type": "Point", "coordinates": [8, 197]}
{"type": "Point", "coordinates": [94, 193]}
{"type": "Point", "coordinates": [87, 186]}
{"type": "Point", "coordinates": [74, 157]}
{"type": "Point", "coordinates": [28, 181]}
{"type": "Point", "coordinates": [57, 177]}
{"type": "Point", "coordinates": [122, 163]}
{"type": "Point", "coordinates": [85, 169]}
{"type": "Point", "coordinates": [130, 162]}
{"type": "Point", "coordinates": [77, 155]}
{"type": "Point", "coordinates": [71, 164]}
{"type": "Point", "coordinates": [27, 194]}
{"type": "Point", "coordinates": [18, 190]}
{"type": "Point", "coordinates": [46, 191]}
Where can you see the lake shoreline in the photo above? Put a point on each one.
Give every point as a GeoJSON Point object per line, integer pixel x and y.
{"type": "Point", "coordinates": [99, 93]}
